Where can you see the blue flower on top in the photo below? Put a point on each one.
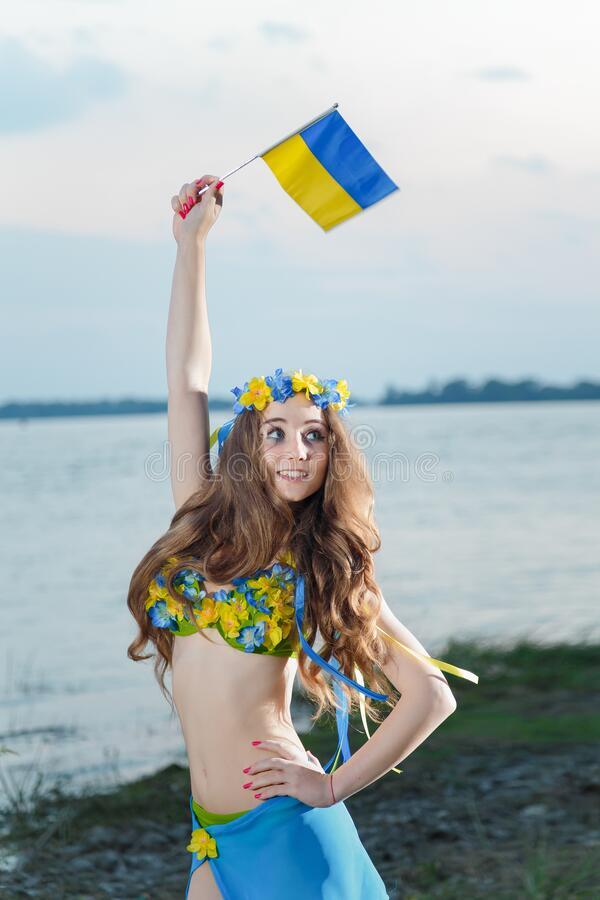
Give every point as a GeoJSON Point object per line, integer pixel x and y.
{"type": "Point", "coordinates": [160, 616]}
{"type": "Point", "coordinates": [187, 582]}
{"type": "Point", "coordinates": [252, 636]}
{"type": "Point", "coordinates": [283, 572]}
{"type": "Point", "coordinates": [281, 385]}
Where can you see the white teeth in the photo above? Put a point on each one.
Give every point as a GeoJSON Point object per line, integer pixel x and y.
{"type": "Point", "coordinates": [294, 476]}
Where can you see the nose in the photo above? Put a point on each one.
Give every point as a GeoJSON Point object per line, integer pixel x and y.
{"type": "Point", "coordinates": [297, 449]}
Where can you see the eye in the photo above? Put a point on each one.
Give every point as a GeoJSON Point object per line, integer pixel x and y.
{"type": "Point", "coordinates": [275, 431]}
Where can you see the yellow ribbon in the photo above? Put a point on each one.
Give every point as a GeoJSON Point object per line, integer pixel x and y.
{"type": "Point", "coordinates": [447, 667]}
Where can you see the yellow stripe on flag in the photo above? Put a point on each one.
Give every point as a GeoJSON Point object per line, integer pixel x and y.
{"type": "Point", "coordinates": [301, 174]}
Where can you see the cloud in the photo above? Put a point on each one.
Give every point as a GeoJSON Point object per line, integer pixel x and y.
{"type": "Point", "coordinates": [41, 95]}
{"type": "Point", "coordinates": [535, 165]}
{"type": "Point", "coordinates": [502, 73]}
{"type": "Point", "coordinates": [283, 31]}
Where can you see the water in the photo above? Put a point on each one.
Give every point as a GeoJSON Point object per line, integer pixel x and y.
{"type": "Point", "coordinates": [490, 522]}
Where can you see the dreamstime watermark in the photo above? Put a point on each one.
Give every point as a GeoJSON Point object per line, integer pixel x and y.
{"type": "Point", "coordinates": [380, 466]}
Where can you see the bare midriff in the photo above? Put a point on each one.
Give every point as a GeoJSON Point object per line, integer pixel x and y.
{"type": "Point", "coordinates": [225, 699]}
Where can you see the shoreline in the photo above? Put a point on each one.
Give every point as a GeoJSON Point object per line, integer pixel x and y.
{"type": "Point", "coordinates": [501, 801]}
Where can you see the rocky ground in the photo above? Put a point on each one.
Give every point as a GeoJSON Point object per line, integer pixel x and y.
{"type": "Point", "coordinates": [503, 801]}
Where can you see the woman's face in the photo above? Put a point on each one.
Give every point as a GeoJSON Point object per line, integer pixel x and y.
{"type": "Point", "coordinates": [294, 440]}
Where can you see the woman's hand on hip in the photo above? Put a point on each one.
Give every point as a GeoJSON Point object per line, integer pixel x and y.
{"type": "Point", "coordinates": [290, 772]}
{"type": "Point", "coordinates": [195, 215]}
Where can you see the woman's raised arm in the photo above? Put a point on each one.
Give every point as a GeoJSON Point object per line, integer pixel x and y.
{"type": "Point", "coordinates": [188, 344]}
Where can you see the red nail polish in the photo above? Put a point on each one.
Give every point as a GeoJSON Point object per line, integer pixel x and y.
{"type": "Point", "coordinates": [199, 181]}
{"type": "Point", "coordinates": [247, 785]}
{"type": "Point", "coordinates": [254, 743]}
{"type": "Point", "coordinates": [258, 795]}
{"type": "Point", "coordinates": [219, 184]}
{"type": "Point", "coordinates": [246, 770]}
{"type": "Point", "coordinates": [181, 214]}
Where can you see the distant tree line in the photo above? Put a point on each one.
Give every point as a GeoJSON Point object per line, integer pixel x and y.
{"type": "Point", "coordinates": [459, 390]}
{"type": "Point", "coordinates": [492, 391]}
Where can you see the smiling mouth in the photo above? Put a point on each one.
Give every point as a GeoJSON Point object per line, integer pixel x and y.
{"type": "Point", "coordinates": [292, 475]}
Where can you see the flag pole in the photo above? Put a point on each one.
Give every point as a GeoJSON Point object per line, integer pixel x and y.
{"type": "Point", "coordinates": [276, 144]}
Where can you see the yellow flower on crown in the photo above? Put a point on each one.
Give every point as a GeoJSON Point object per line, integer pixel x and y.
{"type": "Point", "coordinates": [258, 393]}
{"type": "Point", "coordinates": [202, 844]}
{"type": "Point", "coordinates": [309, 383]}
{"type": "Point", "coordinates": [342, 388]}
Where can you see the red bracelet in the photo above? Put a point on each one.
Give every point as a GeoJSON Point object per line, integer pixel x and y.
{"type": "Point", "coordinates": [331, 786]}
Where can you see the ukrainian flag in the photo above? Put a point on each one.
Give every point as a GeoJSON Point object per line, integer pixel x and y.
{"type": "Point", "coordinates": [328, 171]}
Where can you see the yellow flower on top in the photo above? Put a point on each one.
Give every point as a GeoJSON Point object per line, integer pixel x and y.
{"type": "Point", "coordinates": [287, 559]}
{"type": "Point", "coordinates": [239, 605]}
{"type": "Point", "coordinates": [174, 607]}
{"type": "Point", "coordinates": [273, 633]}
{"type": "Point", "coordinates": [207, 614]}
{"type": "Point", "coordinates": [228, 619]}
{"type": "Point", "coordinates": [286, 627]}
{"type": "Point", "coordinates": [284, 611]}
{"type": "Point", "coordinates": [342, 388]}
{"type": "Point", "coordinates": [308, 383]}
{"type": "Point", "coordinates": [202, 844]}
{"type": "Point", "coordinates": [258, 393]}
{"type": "Point", "coordinates": [156, 591]}
{"type": "Point", "coordinates": [262, 586]}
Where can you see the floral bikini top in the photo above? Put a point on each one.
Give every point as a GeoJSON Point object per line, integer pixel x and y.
{"type": "Point", "coordinates": [256, 615]}
{"type": "Point", "coordinates": [264, 614]}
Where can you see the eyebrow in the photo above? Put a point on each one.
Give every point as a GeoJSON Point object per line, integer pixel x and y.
{"type": "Point", "coordinates": [306, 422]}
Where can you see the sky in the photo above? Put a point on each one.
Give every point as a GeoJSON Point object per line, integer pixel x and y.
{"type": "Point", "coordinates": [484, 264]}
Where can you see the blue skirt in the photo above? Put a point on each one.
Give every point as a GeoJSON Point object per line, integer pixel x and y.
{"type": "Point", "coordinates": [284, 848]}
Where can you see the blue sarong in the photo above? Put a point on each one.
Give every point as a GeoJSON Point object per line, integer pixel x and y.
{"type": "Point", "coordinates": [286, 849]}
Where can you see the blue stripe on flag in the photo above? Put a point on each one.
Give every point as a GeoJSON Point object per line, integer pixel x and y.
{"type": "Point", "coordinates": [347, 160]}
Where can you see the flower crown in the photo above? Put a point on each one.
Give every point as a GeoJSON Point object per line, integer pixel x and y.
{"type": "Point", "coordinates": [261, 390]}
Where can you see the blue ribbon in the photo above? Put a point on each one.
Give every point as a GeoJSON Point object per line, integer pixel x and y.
{"type": "Point", "coordinates": [224, 431]}
{"type": "Point", "coordinates": [341, 712]}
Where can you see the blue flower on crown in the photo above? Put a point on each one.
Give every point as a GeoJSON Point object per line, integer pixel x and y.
{"type": "Point", "coordinates": [281, 386]}
{"type": "Point", "coordinates": [330, 394]}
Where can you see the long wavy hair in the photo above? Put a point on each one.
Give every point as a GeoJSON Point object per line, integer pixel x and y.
{"type": "Point", "coordinates": [237, 523]}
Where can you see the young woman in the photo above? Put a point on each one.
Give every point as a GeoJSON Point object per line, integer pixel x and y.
{"type": "Point", "coordinates": [263, 554]}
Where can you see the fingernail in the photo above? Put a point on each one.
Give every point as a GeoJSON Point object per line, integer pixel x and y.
{"type": "Point", "coordinates": [246, 770]}
{"type": "Point", "coordinates": [258, 795]}
{"type": "Point", "coordinates": [185, 208]}
{"type": "Point", "coordinates": [219, 184]}
{"type": "Point", "coordinates": [199, 181]}
{"type": "Point", "coordinates": [254, 743]}
{"type": "Point", "coordinates": [247, 785]}
{"type": "Point", "coordinates": [182, 215]}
